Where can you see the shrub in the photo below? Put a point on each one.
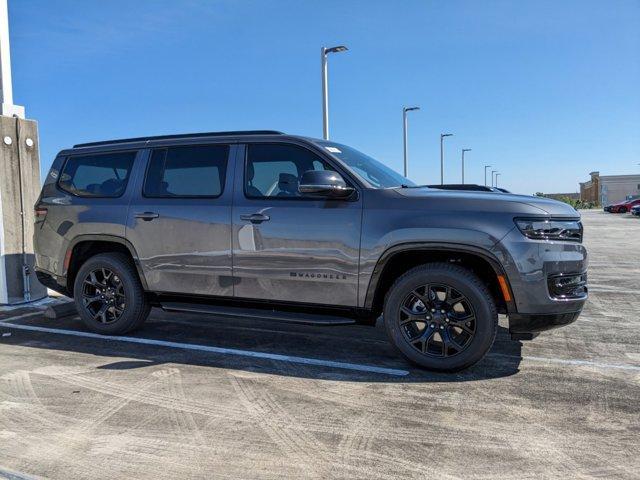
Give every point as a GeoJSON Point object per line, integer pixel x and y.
{"type": "Point", "coordinates": [575, 203]}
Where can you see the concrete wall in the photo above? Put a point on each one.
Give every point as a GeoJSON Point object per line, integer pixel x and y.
{"type": "Point", "coordinates": [19, 171]}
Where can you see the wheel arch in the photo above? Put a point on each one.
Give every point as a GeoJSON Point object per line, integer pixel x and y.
{"type": "Point", "coordinates": [83, 247]}
{"type": "Point", "coordinates": [398, 259]}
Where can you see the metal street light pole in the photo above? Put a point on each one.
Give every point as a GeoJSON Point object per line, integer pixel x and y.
{"type": "Point", "coordinates": [464, 150]}
{"type": "Point", "coordinates": [442, 135]}
{"type": "Point", "coordinates": [325, 86]}
{"type": "Point", "coordinates": [497, 175]}
{"type": "Point", "coordinates": [404, 136]}
{"type": "Point", "coordinates": [492, 172]}
{"type": "Point", "coordinates": [485, 174]}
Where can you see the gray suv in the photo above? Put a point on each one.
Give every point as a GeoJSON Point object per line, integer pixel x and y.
{"type": "Point", "coordinates": [260, 224]}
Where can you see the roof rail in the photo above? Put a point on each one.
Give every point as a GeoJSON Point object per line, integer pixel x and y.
{"type": "Point", "coordinates": [237, 133]}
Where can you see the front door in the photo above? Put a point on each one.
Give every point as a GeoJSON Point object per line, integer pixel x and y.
{"type": "Point", "coordinates": [180, 220]}
{"type": "Point", "coordinates": [288, 247]}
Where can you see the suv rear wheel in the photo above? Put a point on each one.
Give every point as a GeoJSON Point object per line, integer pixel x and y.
{"type": "Point", "coordinates": [441, 317]}
{"type": "Point", "coordinates": [109, 296]}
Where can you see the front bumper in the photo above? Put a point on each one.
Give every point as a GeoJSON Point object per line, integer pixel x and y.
{"type": "Point", "coordinates": [531, 267]}
{"type": "Point", "coordinates": [530, 264]}
{"type": "Point", "coordinates": [528, 326]}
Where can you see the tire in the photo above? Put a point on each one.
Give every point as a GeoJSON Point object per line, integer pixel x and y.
{"type": "Point", "coordinates": [127, 289]}
{"type": "Point", "coordinates": [467, 340]}
{"type": "Point", "coordinates": [622, 210]}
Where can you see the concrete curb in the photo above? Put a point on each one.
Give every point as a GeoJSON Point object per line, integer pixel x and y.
{"type": "Point", "coordinates": [60, 310]}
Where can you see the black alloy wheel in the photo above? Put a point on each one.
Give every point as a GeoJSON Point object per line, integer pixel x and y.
{"type": "Point", "coordinates": [103, 295]}
{"type": "Point", "coordinates": [441, 316]}
{"type": "Point", "coordinates": [109, 295]}
{"type": "Point", "coordinates": [437, 320]}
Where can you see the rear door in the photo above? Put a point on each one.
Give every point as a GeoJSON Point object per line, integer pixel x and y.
{"type": "Point", "coordinates": [288, 247]}
{"type": "Point", "coordinates": [179, 222]}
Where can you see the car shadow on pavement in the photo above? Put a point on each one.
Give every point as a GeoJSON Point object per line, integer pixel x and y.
{"type": "Point", "coordinates": [355, 345]}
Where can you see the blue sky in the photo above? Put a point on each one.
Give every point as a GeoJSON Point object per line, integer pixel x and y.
{"type": "Point", "coordinates": [546, 91]}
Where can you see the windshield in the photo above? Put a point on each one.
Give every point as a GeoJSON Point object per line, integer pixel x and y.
{"type": "Point", "coordinates": [368, 169]}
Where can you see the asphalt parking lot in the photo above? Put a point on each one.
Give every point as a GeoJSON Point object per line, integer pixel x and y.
{"type": "Point", "coordinates": [566, 405]}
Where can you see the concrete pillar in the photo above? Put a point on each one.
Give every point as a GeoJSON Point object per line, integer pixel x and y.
{"type": "Point", "coordinates": [19, 190]}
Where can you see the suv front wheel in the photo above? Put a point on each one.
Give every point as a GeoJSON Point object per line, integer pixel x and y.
{"type": "Point", "coordinates": [441, 316]}
{"type": "Point", "coordinates": [109, 296]}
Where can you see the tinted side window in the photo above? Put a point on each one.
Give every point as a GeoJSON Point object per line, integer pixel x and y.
{"type": "Point", "coordinates": [197, 171]}
{"type": "Point", "coordinates": [274, 170]}
{"type": "Point", "coordinates": [100, 175]}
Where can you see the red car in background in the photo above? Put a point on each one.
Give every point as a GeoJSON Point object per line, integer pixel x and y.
{"type": "Point", "coordinates": [623, 207]}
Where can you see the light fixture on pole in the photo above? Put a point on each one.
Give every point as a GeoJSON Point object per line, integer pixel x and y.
{"type": "Point", "coordinates": [492, 173]}
{"type": "Point", "coordinates": [464, 150]}
{"type": "Point", "coordinates": [324, 52]}
{"type": "Point", "coordinates": [497, 175]}
{"type": "Point", "coordinates": [485, 174]}
{"type": "Point", "coordinates": [404, 136]}
{"type": "Point", "coordinates": [442, 135]}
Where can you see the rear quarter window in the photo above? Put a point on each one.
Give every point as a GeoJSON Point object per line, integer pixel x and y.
{"type": "Point", "coordinates": [97, 175]}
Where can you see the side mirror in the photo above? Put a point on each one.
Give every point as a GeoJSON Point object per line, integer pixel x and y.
{"type": "Point", "coordinates": [323, 183]}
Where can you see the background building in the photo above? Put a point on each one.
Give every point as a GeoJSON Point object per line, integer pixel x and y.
{"type": "Point", "coordinates": [609, 188]}
{"type": "Point", "coordinates": [590, 191]}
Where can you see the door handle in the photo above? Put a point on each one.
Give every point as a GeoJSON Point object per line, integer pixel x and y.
{"type": "Point", "coordinates": [255, 217]}
{"type": "Point", "coordinates": [147, 216]}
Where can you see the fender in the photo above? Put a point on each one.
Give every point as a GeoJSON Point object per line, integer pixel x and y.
{"type": "Point", "coordinates": [432, 246]}
{"type": "Point", "coordinates": [107, 238]}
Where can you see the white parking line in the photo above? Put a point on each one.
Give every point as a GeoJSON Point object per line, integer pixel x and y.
{"type": "Point", "coordinates": [219, 350]}
{"type": "Point", "coordinates": [10, 475]}
{"type": "Point", "coordinates": [292, 359]}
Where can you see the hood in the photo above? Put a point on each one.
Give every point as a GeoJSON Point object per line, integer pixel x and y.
{"type": "Point", "coordinates": [493, 201]}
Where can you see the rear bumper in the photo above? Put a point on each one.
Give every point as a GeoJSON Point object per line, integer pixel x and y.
{"type": "Point", "coordinates": [54, 282]}
{"type": "Point", "coordinates": [528, 326]}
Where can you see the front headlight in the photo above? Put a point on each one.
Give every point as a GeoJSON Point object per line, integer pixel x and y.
{"type": "Point", "coordinates": [549, 229]}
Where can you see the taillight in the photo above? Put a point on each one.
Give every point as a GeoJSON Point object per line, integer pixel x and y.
{"type": "Point", "coordinates": [40, 213]}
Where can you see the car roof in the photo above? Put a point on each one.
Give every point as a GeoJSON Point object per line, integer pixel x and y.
{"type": "Point", "coordinates": [236, 133]}
{"type": "Point", "coordinates": [235, 136]}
